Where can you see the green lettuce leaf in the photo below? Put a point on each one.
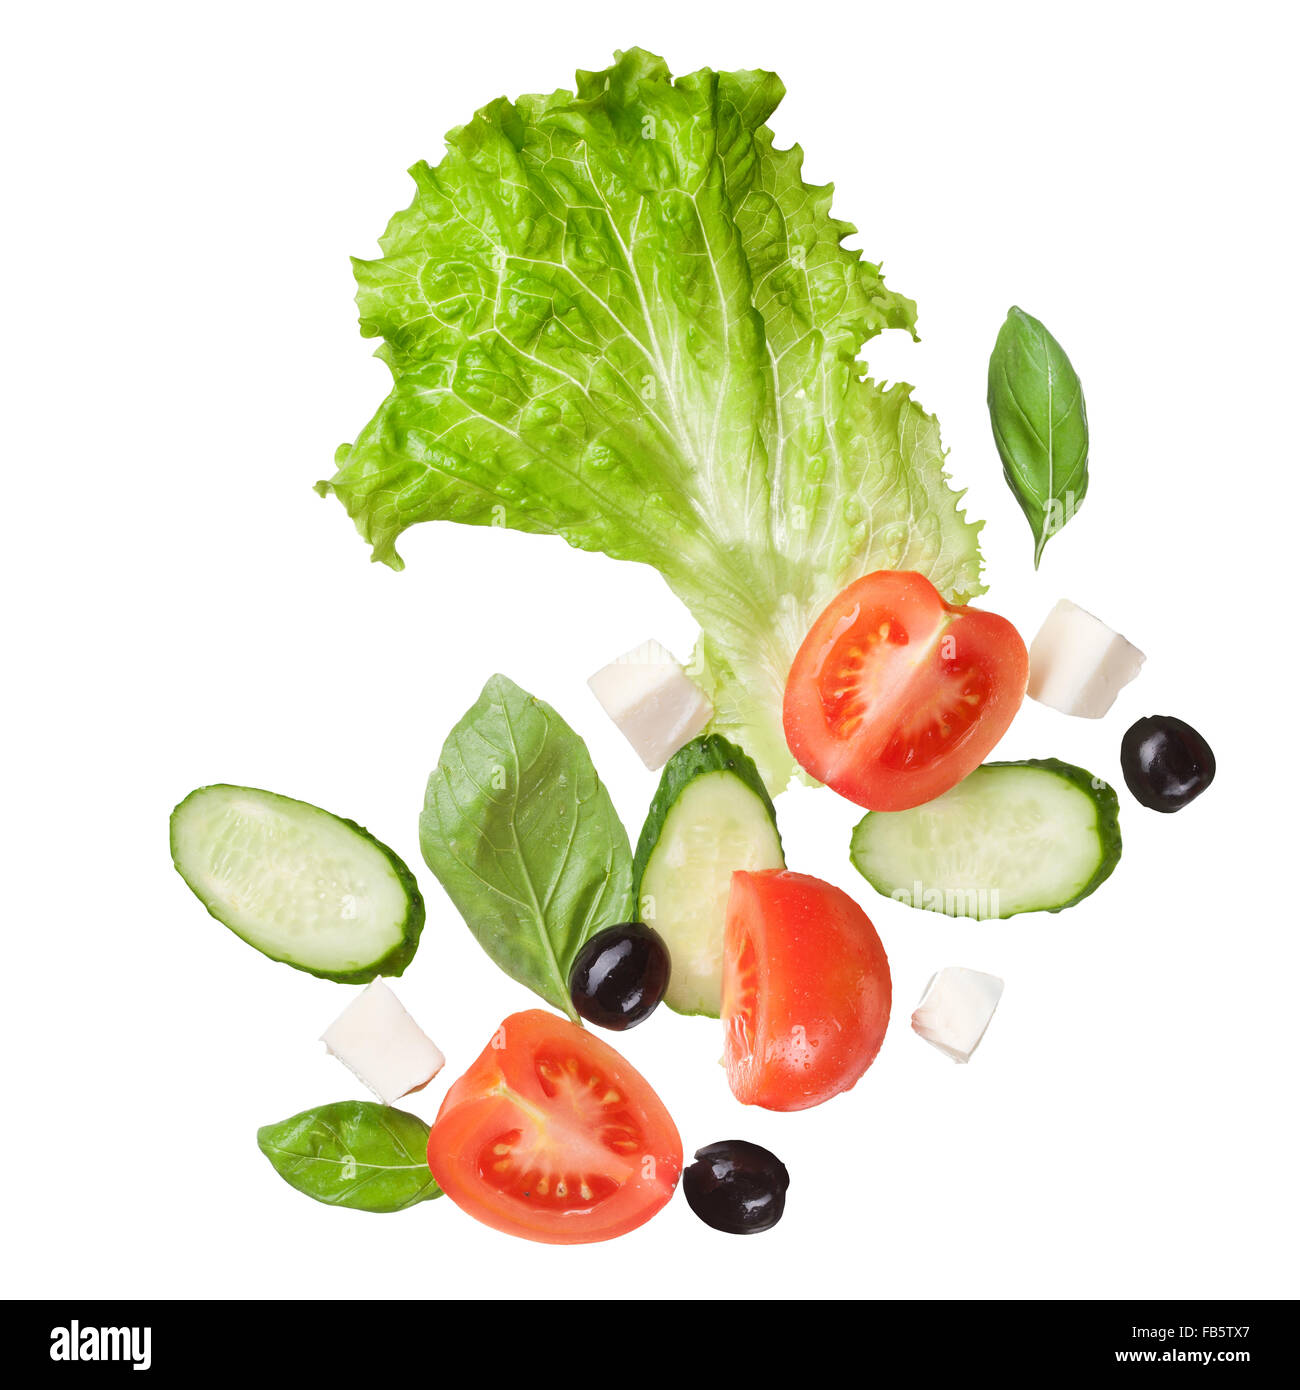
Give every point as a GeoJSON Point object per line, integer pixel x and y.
{"type": "Point", "coordinates": [618, 315]}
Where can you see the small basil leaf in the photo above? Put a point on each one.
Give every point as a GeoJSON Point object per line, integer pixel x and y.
{"type": "Point", "coordinates": [523, 836]}
{"type": "Point", "coordinates": [353, 1153]}
{"type": "Point", "coordinates": [1040, 424]}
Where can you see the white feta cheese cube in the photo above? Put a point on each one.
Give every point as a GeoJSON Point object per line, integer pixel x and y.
{"type": "Point", "coordinates": [653, 701]}
{"type": "Point", "coordinates": [955, 1010]}
{"type": "Point", "coordinates": [1077, 664]}
{"type": "Point", "coordinates": [382, 1045]}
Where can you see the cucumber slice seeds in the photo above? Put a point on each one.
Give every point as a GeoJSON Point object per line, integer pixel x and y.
{"type": "Point", "coordinates": [302, 886]}
{"type": "Point", "coordinates": [711, 816]}
{"type": "Point", "coordinates": [1034, 836]}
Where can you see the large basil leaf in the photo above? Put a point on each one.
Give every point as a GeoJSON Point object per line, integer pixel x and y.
{"type": "Point", "coordinates": [353, 1153]}
{"type": "Point", "coordinates": [1040, 424]}
{"type": "Point", "coordinates": [523, 836]}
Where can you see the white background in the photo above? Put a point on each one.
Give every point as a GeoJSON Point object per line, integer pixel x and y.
{"type": "Point", "coordinates": [185, 184]}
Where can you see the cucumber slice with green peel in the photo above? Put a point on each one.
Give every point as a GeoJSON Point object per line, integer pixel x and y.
{"type": "Point", "coordinates": [300, 885]}
{"type": "Point", "coordinates": [711, 816]}
{"type": "Point", "coordinates": [1034, 836]}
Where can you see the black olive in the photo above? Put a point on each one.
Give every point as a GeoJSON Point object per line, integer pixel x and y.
{"type": "Point", "coordinates": [620, 975]}
{"type": "Point", "coordinates": [1166, 763]}
{"type": "Point", "coordinates": [736, 1186]}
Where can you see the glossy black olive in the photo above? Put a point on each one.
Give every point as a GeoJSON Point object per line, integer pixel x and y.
{"type": "Point", "coordinates": [620, 975]}
{"type": "Point", "coordinates": [737, 1187]}
{"type": "Point", "coordinates": [1166, 763]}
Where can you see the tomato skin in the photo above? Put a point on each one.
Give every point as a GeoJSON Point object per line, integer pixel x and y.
{"type": "Point", "coordinates": [806, 990]}
{"type": "Point", "coordinates": [895, 696]}
{"type": "Point", "coordinates": [532, 1105]}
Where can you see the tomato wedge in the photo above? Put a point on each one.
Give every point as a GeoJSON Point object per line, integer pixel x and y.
{"type": "Point", "coordinates": [805, 990]}
{"type": "Point", "coordinates": [552, 1136]}
{"type": "Point", "coordinates": [895, 695]}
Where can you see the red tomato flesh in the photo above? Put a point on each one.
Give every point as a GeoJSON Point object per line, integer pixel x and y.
{"type": "Point", "coordinates": [805, 990]}
{"type": "Point", "coordinates": [895, 695]}
{"type": "Point", "coordinates": [552, 1136]}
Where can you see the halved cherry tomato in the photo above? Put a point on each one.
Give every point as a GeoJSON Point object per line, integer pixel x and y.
{"type": "Point", "coordinates": [895, 695]}
{"type": "Point", "coordinates": [552, 1136]}
{"type": "Point", "coordinates": [805, 990]}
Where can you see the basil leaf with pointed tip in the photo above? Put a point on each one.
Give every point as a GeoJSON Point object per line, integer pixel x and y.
{"type": "Point", "coordinates": [521, 833]}
{"type": "Point", "coordinates": [1040, 424]}
{"type": "Point", "coordinates": [353, 1153]}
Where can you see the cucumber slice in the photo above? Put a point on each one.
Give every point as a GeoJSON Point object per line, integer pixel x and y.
{"type": "Point", "coordinates": [1033, 836]}
{"type": "Point", "coordinates": [300, 885]}
{"type": "Point", "coordinates": [711, 816]}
